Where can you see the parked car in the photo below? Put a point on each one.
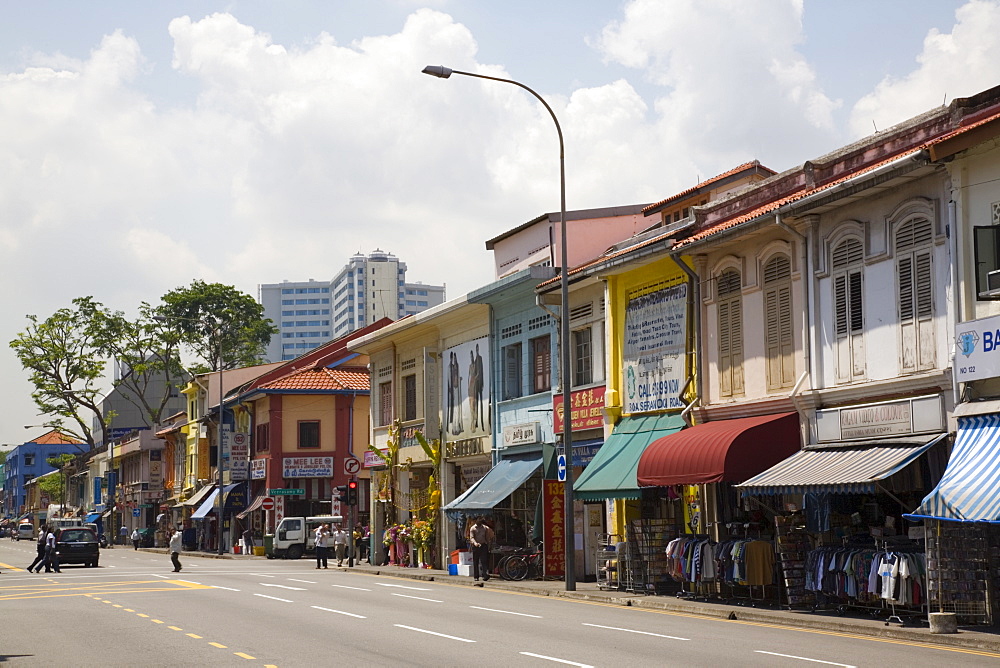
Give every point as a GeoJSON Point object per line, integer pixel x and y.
{"type": "Point", "coordinates": [77, 545]}
{"type": "Point", "coordinates": [25, 531]}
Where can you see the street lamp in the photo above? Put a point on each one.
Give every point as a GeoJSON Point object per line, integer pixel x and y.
{"type": "Point", "coordinates": [569, 530]}
{"type": "Point", "coordinates": [217, 333]}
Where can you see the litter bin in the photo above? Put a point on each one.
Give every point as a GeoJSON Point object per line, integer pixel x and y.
{"type": "Point", "coordinates": [269, 545]}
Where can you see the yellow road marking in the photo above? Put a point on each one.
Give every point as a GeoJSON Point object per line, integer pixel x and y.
{"type": "Point", "coordinates": [93, 589]}
{"type": "Point", "coordinates": [175, 628]}
{"type": "Point", "coordinates": [156, 621]}
{"type": "Point", "coordinates": [215, 644]}
{"type": "Point", "coordinates": [139, 614]}
{"type": "Point", "coordinates": [10, 567]}
{"type": "Point", "coordinates": [129, 610]}
{"type": "Point", "coordinates": [117, 606]}
{"type": "Point", "coordinates": [191, 635]}
{"type": "Point", "coordinates": [245, 656]}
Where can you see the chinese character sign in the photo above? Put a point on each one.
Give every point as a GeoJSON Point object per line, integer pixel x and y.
{"type": "Point", "coordinates": [586, 409]}
{"type": "Point", "coordinates": [554, 527]}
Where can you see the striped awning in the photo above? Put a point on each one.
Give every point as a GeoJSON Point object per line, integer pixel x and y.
{"type": "Point", "coordinates": [257, 502]}
{"type": "Point", "coordinates": [840, 469]}
{"type": "Point", "coordinates": [969, 490]}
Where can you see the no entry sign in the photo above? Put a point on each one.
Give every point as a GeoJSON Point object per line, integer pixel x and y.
{"type": "Point", "coordinates": [267, 503]}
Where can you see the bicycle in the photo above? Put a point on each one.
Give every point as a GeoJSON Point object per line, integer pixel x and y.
{"type": "Point", "coordinates": [519, 565]}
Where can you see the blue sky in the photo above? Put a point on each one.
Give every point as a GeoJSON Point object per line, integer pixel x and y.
{"type": "Point", "coordinates": [143, 145]}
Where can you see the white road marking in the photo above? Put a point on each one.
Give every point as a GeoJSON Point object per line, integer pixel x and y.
{"type": "Point", "coordinates": [645, 633]}
{"type": "Point", "coordinates": [340, 612]}
{"type": "Point", "coordinates": [506, 612]}
{"type": "Point", "coordinates": [264, 575]}
{"type": "Point", "coordinates": [192, 581]}
{"type": "Point", "coordinates": [433, 633]}
{"type": "Point", "coordinates": [805, 658]}
{"type": "Point", "coordinates": [384, 584]}
{"type": "Point", "coordinates": [419, 598]}
{"type": "Point", "coordinates": [226, 588]}
{"type": "Point", "coordinates": [265, 584]}
{"type": "Point", "coordinates": [306, 581]}
{"type": "Point", "coordinates": [164, 577]}
{"type": "Point", "coordinates": [346, 587]}
{"type": "Point", "coordinates": [552, 658]}
{"type": "Point", "coordinates": [274, 598]}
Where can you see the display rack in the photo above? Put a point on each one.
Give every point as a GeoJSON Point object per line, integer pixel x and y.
{"type": "Point", "coordinates": [609, 562]}
{"type": "Point", "coordinates": [648, 570]}
{"type": "Point", "coordinates": [792, 546]}
{"type": "Point", "coordinates": [963, 566]}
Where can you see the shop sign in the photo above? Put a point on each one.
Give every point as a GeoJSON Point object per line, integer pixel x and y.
{"type": "Point", "coordinates": [466, 374]}
{"type": "Point", "coordinates": [408, 435]}
{"type": "Point", "coordinates": [465, 448]}
{"type": "Point", "coordinates": [258, 469]}
{"type": "Point", "coordinates": [235, 444]}
{"type": "Point", "coordinates": [471, 474]}
{"type": "Point", "coordinates": [586, 410]}
{"type": "Point", "coordinates": [553, 527]}
{"type": "Point", "coordinates": [307, 467]}
{"type": "Point", "coordinates": [525, 433]}
{"type": "Point", "coordinates": [372, 460]}
{"type": "Point", "coordinates": [654, 351]}
{"type": "Point", "coordinates": [238, 470]}
{"type": "Point", "coordinates": [155, 472]}
{"type": "Point", "coordinates": [977, 349]}
{"type": "Point", "coordinates": [583, 453]}
{"type": "Point", "coordinates": [889, 418]}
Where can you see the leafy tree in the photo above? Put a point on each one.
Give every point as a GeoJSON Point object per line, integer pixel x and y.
{"type": "Point", "coordinates": [66, 367]}
{"type": "Point", "coordinates": [210, 316]}
{"type": "Point", "coordinates": [54, 486]}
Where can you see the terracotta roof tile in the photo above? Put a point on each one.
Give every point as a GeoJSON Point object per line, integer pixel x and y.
{"type": "Point", "coordinates": [54, 437]}
{"type": "Point", "coordinates": [321, 379]}
{"type": "Point", "coordinates": [734, 170]}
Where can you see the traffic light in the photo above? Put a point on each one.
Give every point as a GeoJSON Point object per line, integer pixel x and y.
{"type": "Point", "coordinates": [352, 493]}
{"type": "Point", "coordinates": [341, 492]}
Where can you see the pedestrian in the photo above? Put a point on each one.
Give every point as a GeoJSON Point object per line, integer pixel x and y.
{"type": "Point", "coordinates": [122, 535]}
{"type": "Point", "coordinates": [40, 547]}
{"type": "Point", "coordinates": [136, 537]}
{"type": "Point", "coordinates": [248, 540]}
{"type": "Point", "coordinates": [175, 549]}
{"type": "Point", "coordinates": [322, 540]}
{"type": "Point", "coordinates": [341, 541]}
{"type": "Point", "coordinates": [480, 537]}
{"type": "Point", "coordinates": [359, 542]}
{"type": "Point", "coordinates": [51, 555]}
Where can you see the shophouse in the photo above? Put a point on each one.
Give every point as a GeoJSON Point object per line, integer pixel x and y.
{"type": "Point", "coordinates": [28, 461]}
{"type": "Point", "coordinates": [139, 462]}
{"type": "Point", "coordinates": [307, 422]}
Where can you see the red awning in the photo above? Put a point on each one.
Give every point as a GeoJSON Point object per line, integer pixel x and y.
{"type": "Point", "coordinates": [720, 451]}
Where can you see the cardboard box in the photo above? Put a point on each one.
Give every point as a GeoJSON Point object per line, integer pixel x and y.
{"type": "Point", "coordinates": [464, 569]}
{"type": "Point", "coordinates": [464, 558]}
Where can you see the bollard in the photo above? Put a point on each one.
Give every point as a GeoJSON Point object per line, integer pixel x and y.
{"type": "Point", "coordinates": [943, 622]}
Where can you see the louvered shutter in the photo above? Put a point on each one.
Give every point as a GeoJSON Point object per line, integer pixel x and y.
{"type": "Point", "coordinates": [725, 351]}
{"type": "Point", "coordinates": [915, 283]}
{"type": "Point", "coordinates": [736, 344]}
{"type": "Point", "coordinates": [778, 323]}
{"type": "Point", "coordinates": [730, 335]}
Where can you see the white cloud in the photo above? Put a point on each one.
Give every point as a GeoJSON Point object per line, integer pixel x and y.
{"type": "Point", "coordinates": [956, 64]}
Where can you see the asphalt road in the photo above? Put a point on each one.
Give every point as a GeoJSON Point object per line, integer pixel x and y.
{"type": "Point", "coordinates": [133, 611]}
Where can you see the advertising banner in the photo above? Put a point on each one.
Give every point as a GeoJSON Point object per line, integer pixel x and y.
{"type": "Point", "coordinates": [586, 409]}
{"type": "Point", "coordinates": [977, 349]}
{"type": "Point", "coordinates": [466, 390]}
{"type": "Point", "coordinates": [553, 528]}
{"type": "Point", "coordinates": [258, 469]}
{"type": "Point", "coordinates": [307, 467]}
{"type": "Point", "coordinates": [654, 350]}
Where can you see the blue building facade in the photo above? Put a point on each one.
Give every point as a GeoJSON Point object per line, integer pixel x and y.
{"type": "Point", "coordinates": [28, 461]}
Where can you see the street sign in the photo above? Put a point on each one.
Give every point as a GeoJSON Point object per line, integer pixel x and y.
{"type": "Point", "coordinates": [136, 512]}
{"type": "Point", "coordinates": [146, 505]}
{"type": "Point", "coordinates": [335, 508]}
{"type": "Point", "coordinates": [267, 503]}
{"type": "Point", "coordinates": [561, 464]}
{"type": "Point", "coordinates": [286, 492]}
{"type": "Point", "coordinates": [352, 465]}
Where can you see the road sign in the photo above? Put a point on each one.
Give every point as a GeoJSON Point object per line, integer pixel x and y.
{"type": "Point", "coordinates": [561, 464]}
{"type": "Point", "coordinates": [136, 512]}
{"type": "Point", "coordinates": [286, 492]}
{"type": "Point", "coordinates": [267, 503]}
{"type": "Point", "coordinates": [352, 465]}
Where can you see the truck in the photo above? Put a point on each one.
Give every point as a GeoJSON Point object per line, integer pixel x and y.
{"type": "Point", "coordinates": [294, 535]}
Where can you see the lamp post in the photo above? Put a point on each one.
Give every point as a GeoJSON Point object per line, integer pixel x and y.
{"type": "Point", "coordinates": [217, 334]}
{"type": "Point", "coordinates": [564, 349]}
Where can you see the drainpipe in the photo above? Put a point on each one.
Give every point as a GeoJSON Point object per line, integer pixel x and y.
{"type": "Point", "coordinates": [696, 299]}
{"type": "Point", "coordinates": [804, 240]}
{"type": "Point", "coordinates": [956, 293]}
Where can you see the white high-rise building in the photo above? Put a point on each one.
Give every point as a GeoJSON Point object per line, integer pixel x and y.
{"type": "Point", "coordinates": [366, 289]}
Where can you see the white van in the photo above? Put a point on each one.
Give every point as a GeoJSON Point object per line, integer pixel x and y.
{"type": "Point", "coordinates": [294, 535]}
{"type": "Point", "coordinates": [25, 531]}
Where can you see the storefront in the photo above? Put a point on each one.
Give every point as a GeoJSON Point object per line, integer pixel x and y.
{"type": "Point", "coordinates": [839, 504]}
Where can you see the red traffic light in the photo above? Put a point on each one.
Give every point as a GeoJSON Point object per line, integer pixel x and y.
{"type": "Point", "coordinates": [353, 484]}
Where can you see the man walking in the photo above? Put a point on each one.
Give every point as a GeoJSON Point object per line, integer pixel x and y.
{"type": "Point", "coordinates": [40, 548]}
{"type": "Point", "coordinates": [322, 540]}
{"type": "Point", "coordinates": [480, 537]}
{"type": "Point", "coordinates": [135, 538]}
{"type": "Point", "coordinates": [51, 556]}
{"type": "Point", "coordinates": [175, 549]}
{"type": "Point", "coordinates": [341, 539]}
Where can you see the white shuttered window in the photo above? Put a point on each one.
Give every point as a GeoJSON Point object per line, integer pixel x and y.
{"type": "Point", "coordinates": [915, 285]}
{"type": "Point", "coordinates": [848, 302]}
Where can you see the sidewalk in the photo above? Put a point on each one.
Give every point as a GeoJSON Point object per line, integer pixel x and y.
{"type": "Point", "coordinates": [981, 639]}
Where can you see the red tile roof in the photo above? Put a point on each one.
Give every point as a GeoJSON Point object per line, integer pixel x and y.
{"type": "Point", "coordinates": [322, 379]}
{"type": "Point", "coordinates": [735, 170]}
{"type": "Point", "coordinates": [54, 437]}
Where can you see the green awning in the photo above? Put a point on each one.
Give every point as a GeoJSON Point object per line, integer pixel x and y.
{"type": "Point", "coordinates": [612, 473]}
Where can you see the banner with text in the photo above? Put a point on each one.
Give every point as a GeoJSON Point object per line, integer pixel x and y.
{"type": "Point", "coordinates": [654, 350]}
{"type": "Point", "coordinates": [553, 527]}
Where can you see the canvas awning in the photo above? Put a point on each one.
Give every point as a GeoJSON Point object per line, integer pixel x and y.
{"type": "Point", "coordinates": [494, 487]}
{"type": "Point", "coordinates": [210, 503]}
{"type": "Point", "coordinates": [198, 497]}
{"type": "Point", "coordinates": [719, 451]}
{"type": "Point", "coordinates": [969, 490]}
{"type": "Point", "coordinates": [254, 505]}
{"type": "Point", "coordinates": [612, 472]}
{"type": "Point", "coordinates": [850, 468]}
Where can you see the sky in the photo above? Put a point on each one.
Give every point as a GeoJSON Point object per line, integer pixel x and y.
{"type": "Point", "coordinates": [146, 145]}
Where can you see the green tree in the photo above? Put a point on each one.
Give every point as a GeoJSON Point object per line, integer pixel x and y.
{"type": "Point", "coordinates": [66, 368]}
{"type": "Point", "coordinates": [54, 486]}
{"type": "Point", "coordinates": [209, 315]}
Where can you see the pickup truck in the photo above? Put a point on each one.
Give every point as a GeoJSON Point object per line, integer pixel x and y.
{"type": "Point", "coordinates": [294, 535]}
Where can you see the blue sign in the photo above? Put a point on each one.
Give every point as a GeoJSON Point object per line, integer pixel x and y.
{"type": "Point", "coordinates": [136, 512]}
{"type": "Point", "coordinates": [561, 465]}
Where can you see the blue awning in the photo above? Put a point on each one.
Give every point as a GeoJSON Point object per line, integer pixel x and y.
{"type": "Point", "coordinates": [612, 473]}
{"type": "Point", "coordinates": [493, 487]}
{"type": "Point", "coordinates": [91, 518]}
{"type": "Point", "coordinates": [969, 490]}
{"type": "Point", "coordinates": [847, 468]}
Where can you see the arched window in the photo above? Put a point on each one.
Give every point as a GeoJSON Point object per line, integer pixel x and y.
{"type": "Point", "coordinates": [848, 304]}
{"type": "Point", "coordinates": [915, 289]}
{"type": "Point", "coordinates": [728, 298]}
{"type": "Point", "coordinates": [780, 345]}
